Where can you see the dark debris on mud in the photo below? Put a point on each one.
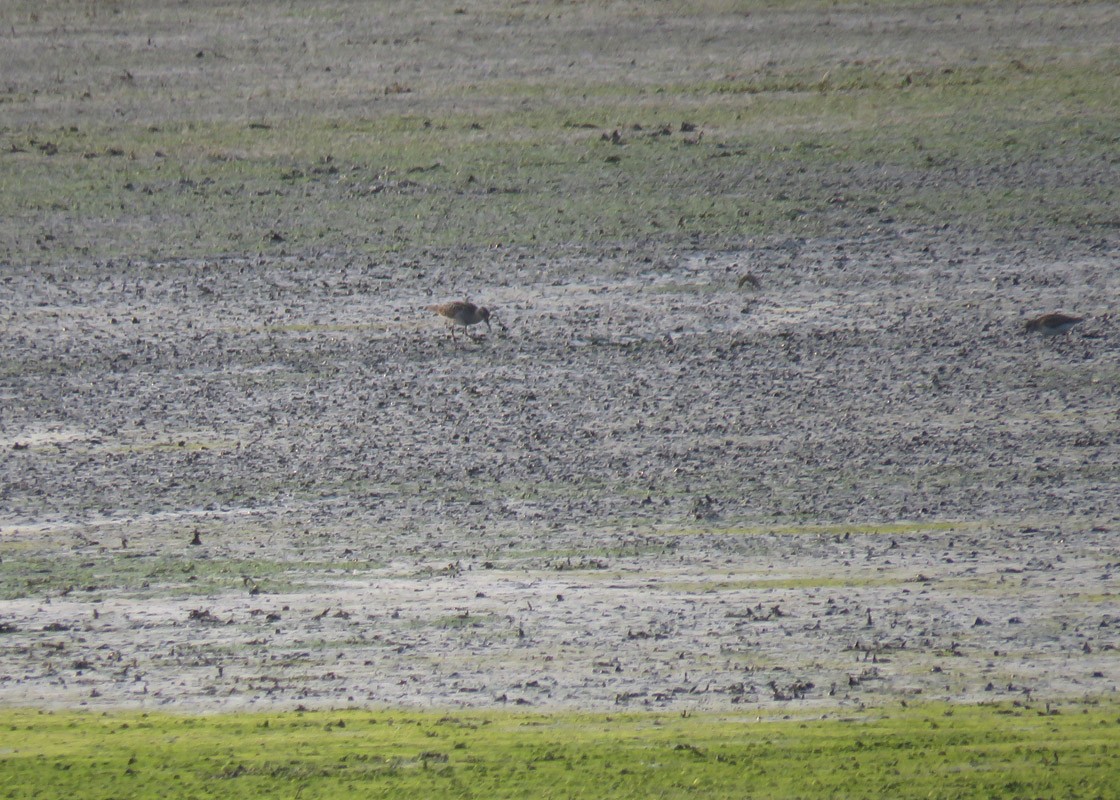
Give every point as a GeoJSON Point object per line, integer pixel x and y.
{"type": "Point", "coordinates": [660, 485]}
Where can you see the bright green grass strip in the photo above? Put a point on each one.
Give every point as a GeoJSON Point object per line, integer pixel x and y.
{"type": "Point", "coordinates": [930, 752]}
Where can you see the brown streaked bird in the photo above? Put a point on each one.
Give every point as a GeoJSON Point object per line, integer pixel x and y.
{"type": "Point", "coordinates": [1052, 324]}
{"type": "Point", "coordinates": [460, 312]}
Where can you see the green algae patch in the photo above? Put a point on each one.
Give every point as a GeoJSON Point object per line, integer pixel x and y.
{"type": "Point", "coordinates": [900, 528]}
{"type": "Point", "coordinates": [1001, 750]}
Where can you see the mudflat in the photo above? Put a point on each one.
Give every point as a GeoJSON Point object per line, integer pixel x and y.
{"type": "Point", "coordinates": [758, 422]}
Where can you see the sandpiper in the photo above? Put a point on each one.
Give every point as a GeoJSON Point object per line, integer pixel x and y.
{"type": "Point", "coordinates": [460, 312]}
{"type": "Point", "coordinates": [1052, 324]}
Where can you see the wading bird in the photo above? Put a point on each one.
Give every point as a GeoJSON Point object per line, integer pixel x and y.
{"type": "Point", "coordinates": [1052, 324]}
{"type": "Point", "coordinates": [460, 312]}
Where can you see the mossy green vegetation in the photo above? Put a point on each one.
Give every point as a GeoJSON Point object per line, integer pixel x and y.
{"type": "Point", "coordinates": [214, 157]}
{"type": "Point", "coordinates": [900, 528]}
{"type": "Point", "coordinates": [933, 751]}
{"type": "Point", "coordinates": [93, 576]}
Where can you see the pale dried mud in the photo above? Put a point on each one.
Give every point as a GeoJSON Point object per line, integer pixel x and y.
{"type": "Point", "coordinates": [654, 484]}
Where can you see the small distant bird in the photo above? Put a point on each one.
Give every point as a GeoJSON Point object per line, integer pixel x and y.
{"type": "Point", "coordinates": [750, 280]}
{"type": "Point", "coordinates": [1052, 324]}
{"type": "Point", "coordinates": [460, 312]}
